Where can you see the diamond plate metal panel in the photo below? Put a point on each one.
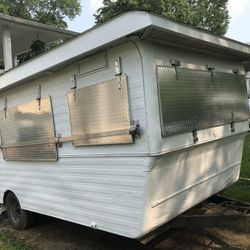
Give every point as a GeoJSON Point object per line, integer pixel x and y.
{"type": "Point", "coordinates": [27, 132]}
{"type": "Point", "coordinates": [99, 113]}
{"type": "Point", "coordinates": [195, 99]}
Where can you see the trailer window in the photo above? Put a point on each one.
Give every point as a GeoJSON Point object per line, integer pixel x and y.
{"type": "Point", "coordinates": [198, 99]}
{"type": "Point", "coordinates": [27, 132]}
{"type": "Point", "coordinates": [99, 113]}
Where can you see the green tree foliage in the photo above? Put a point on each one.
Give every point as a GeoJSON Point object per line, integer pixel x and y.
{"type": "Point", "coordinates": [3, 8]}
{"type": "Point", "coordinates": [211, 15]}
{"type": "Point", "coordinates": [44, 11]}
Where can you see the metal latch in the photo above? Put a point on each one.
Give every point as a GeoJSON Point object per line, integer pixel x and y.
{"type": "Point", "coordinates": [5, 107]}
{"type": "Point", "coordinates": [58, 140]}
{"type": "Point", "coordinates": [195, 135]}
{"type": "Point", "coordinates": [73, 81]}
{"type": "Point", "coordinates": [118, 66]}
{"type": "Point", "coordinates": [135, 129]}
{"type": "Point", "coordinates": [236, 72]}
{"type": "Point", "coordinates": [74, 85]}
{"type": "Point", "coordinates": [232, 124]}
{"type": "Point", "coordinates": [175, 64]}
{"type": "Point", "coordinates": [38, 96]}
{"type": "Point", "coordinates": [211, 69]}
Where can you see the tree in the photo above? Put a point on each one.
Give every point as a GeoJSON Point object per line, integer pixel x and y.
{"type": "Point", "coordinates": [43, 11]}
{"type": "Point", "coordinates": [211, 15]}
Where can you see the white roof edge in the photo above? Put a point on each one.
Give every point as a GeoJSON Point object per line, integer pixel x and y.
{"type": "Point", "coordinates": [26, 22]}
{"type": "Point", "coordinates": [103, 35]}
{"type": "Point", "coordinates": [90, 40]}
{"type": "Point", "coordinates": [199, 34]}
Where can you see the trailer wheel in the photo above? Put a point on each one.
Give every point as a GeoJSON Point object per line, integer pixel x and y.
{"type": "Point", "coordinates": [19, 218]}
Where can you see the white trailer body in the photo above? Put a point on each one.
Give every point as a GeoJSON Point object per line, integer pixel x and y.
{"type": "Point", "coordinates": [133, 185]}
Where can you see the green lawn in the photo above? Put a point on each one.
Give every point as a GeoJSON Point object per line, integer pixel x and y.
{"type": "Point", "coordinates": [8, 241]}
{"type": "Point", "coordinates": [241, 190]}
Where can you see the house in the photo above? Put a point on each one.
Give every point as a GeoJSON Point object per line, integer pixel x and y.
{"type": "Point", "coordinates": [17, 35]}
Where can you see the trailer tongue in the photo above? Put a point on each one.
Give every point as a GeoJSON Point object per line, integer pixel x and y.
{"type": "Point", "coordinates": [216, 212]}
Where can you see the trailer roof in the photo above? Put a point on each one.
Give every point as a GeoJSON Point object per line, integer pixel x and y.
{"type": "Point", "coordinates": [127, 26]}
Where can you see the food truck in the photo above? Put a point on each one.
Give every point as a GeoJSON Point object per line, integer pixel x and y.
{"type": "Point", "coordinates": [123, 127]}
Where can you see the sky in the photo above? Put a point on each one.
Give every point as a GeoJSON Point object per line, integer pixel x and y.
{"type": "Point", "coordinates": [239, 11]}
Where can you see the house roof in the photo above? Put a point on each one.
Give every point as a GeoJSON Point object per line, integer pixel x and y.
{"type": "Point", "coordinates": [127, 26]}
{"type": "Point", "coordinates": [24, 31]}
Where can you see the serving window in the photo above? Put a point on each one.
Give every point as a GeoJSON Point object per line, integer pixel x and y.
{"type": "Point", "coordinates": [99, 114]}
{"type": "Point", "coordinates": [198, 99]}
{"type": "Point", "coordinates": [28, 133]}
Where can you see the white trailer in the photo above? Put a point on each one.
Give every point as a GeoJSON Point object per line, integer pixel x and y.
{"type": "Point", "coordinates": [123, 127]}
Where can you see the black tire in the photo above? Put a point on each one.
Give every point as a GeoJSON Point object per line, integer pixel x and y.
{"type": "Point", "coordinates": [19, 219]}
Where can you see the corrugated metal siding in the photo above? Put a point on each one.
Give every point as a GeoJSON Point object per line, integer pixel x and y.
{"type": "Point", "coordinates": [82, 187]}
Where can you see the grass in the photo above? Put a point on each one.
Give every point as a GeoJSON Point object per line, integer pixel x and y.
{"type": "Point", "coordinates": [241, 190]}
{"type": "Point", "coordinates": [8, 241]}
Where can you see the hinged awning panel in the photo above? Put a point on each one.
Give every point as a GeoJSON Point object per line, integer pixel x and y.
{"type": "Point", "coordinates": [99, 113]}
{"type": "Point", "coordinates": [198, 99]}
{"type": "Point", "coordinates": [28, 133]}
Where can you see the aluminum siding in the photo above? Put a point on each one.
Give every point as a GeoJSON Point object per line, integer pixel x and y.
{"type": "Point", "coordinates": [102, 186]}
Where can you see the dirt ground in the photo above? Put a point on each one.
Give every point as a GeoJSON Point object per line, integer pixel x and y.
{"type": "Point", "coordinates": [53, 234]}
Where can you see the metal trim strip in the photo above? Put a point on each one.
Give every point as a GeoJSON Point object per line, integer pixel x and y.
{"type": "Point", "coordinates": [159, 202]}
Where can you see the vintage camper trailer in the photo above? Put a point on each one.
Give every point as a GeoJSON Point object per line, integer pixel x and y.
{"type": "Point", "coordinates": [123, 127]}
